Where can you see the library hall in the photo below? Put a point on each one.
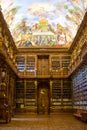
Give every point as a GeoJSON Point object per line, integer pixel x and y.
{"type": "Point", "coordinates": [43, 65]}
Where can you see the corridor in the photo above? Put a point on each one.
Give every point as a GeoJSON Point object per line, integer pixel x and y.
{"type": "Point", "coordinates": [44, 122]}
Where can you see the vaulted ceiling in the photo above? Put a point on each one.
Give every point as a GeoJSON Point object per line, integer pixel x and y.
{"type": "Point", "coordinates": [49, 23]}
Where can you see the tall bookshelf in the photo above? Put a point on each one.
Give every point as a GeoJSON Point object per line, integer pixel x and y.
{"type": "Point", "coordinates": [67, 94]}
{"type": "Point", "coordinates": [79, 82]}
{"type": "Point", "coordinates": [55, 63]}
{"type": "Point", "coordinates": [56, 93]}
{"type": "Point", "coordinates": [30, 63]}
{"type": "Point", "coordinates": [20, 60]}
{"type": "Point", "coordinates": [30, 94]}
{"type": "Point", "coordinates": [61, 95]}
{"type": "Point", "coordinates": [26, 95]}
{"type": "Point", "coordinates": [20, 94]}
{"type": "Point", "coordinates": [65, 62]}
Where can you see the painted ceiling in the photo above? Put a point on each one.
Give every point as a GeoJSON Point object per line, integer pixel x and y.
{"type": "Point", "coordinates": [49, 23]}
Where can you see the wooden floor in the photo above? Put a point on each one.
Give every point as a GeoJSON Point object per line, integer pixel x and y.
{"type": "Point", "coordinates": [44, 122]}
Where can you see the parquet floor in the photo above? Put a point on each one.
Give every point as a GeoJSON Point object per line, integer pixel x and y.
{"type": "Point", "coordinates": [44, 122]}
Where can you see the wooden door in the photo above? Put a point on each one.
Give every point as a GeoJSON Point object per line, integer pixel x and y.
{"type": "Point", "coordinates": [43, 65]}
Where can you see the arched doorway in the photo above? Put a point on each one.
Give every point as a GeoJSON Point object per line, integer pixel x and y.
{"type": "Point", "coordinates": [43, 98]}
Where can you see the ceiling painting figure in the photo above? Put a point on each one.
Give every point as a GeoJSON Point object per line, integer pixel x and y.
{"type": "Point", "coordinates": [47, 23]}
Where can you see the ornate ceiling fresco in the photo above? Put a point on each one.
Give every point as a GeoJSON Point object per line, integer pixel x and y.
{"type": "Point", "coordinates": [49, 23]}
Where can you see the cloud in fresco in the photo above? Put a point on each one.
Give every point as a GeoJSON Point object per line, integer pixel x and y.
{"type": "Point", "coordinates": [41, 10]}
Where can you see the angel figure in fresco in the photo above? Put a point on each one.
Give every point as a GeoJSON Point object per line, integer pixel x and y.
{"type": "Point", "coordinates": [61, 37]}
{"type": "Point", "coordinates": [11, 15]}
{"type": "Point", "coordinates": [22, 34]}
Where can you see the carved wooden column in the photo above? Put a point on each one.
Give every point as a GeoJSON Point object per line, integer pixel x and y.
{"type": "Point", "coordinates": [1, 39]}
{"type": "Point", "coordinates": [36, 93]}
{"type": "Point", "coordinates": [51, 93]}
{"type": "Point", "coordinates": [61, 93]}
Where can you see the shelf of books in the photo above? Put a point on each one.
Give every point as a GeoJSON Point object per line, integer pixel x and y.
{"type": "Point", "coordinates": [30, 94]}
{"type": "Point", "coordinates": [61, 95]}
{"type": "Point", "coordinates": [79, 82]}
{"type": "Point", "coordinates": [65, 62]}
{"type": "Point", "coordinates": [20, 61]}
{"type": "Point", "coordinates": [26, 65]}
{"type": "Point", "coordinates": [56, 95]}
{"type": "Point", "coordinates": [55, 62]}
{"type": "Point", "coordinates": [55, 65]}
{"type": "Point", "coordinates": [30, 64]}
{"type": "Point", "coordinates": [26, 95]}
{"type": "Point", "coordinates": [60, 65]}
{"type": "Point", "coordinates": [20, 94]}
{"type": "Point", "coordinates": [67, 95]}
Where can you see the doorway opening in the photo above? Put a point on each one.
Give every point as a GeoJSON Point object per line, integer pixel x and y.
{"type": "Point", "coordinates": [43, 98]}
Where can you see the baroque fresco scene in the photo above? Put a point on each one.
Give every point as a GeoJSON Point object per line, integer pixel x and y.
{"type": "Point", "coordinates": [49, 23]}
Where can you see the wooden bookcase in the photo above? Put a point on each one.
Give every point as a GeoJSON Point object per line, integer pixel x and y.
{"type": "Point", "coordinates": [26, 64]}
{"type": "Point", "coordinates": [56, 93]}
{"type": "Point", "coordinates": [65, 62]}
{"type": "Point", "coordinates": [55, 63]}
{"type": "Point", "coordinates": [20, 94]}
{"type": "Point", "coordinates": [30, 63]}
{"type": "Point", "coordinates": [59, 65]}
{"type": "Point", "coordinates": [61, 95]}
{"type": "Point", "coordinates": [79, 82]}
{"type": "Point", "coordinates": [67, 94]}
{"type": "Point", "coordinates": [30, 94]}
{"type": "Point", "coordinates": [25, 95]}
{"type": "Point", "coordinates": [20, 60]}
